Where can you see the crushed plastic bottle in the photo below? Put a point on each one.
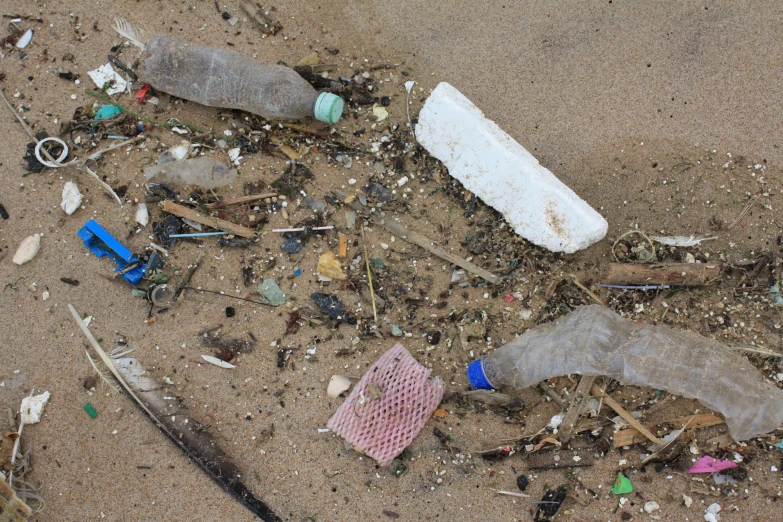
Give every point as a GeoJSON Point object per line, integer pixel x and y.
{"type": "Point", "coordinates": [202, 171]}
{"type": "Point", "coordinates": [222, 78]}
{"type": "Point", "coordinates": [593, 340]}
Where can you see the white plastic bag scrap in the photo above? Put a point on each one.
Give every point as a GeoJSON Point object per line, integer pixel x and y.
{"type": "Point", "coordinates": [32, 407]}
{"type": "Point", "coordinates": [106, 73]}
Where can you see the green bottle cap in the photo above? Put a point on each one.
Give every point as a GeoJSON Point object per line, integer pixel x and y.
{"type": "Point", "coordinates": [328, 107]}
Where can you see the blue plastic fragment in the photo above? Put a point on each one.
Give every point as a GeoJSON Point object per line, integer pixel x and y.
{"type": "Point", "coordinates": [101, 243]}
{"type": "Point", "coordinates": [779, 445]}
{"type": "Point", "coordinates": [298, 272]}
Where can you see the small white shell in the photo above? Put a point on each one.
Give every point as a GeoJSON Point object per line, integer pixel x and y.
{"type": "Point", "coordinates": [27, 249]}
{"type": "Point", "coordinates": [25, 39]}
{"type": "Point", "coordinates": [142, 215]}
{"type": "Point", "coordinates": [72, 198]}
{"type": "Point", "coordinates": [337, 385]}
{"type": "Point", "coordinates": [217, 362]}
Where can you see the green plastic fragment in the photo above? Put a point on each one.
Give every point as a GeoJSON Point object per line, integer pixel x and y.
{"type": "Point", "coordinates": [90, 410]}
{"type": "Point", "coordinates": [622, 486]}
{"type": "Point", "coordinates": [377, 263]}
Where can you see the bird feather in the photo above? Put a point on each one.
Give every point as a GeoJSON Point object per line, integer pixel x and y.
{"type": "Point", "coordinates": [167, 414]}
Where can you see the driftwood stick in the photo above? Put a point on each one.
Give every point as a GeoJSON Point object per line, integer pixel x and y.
{"type": "Point", "coordinates": [238, 201]}
{"type": "Point", "coordinates": [581, 395]}
{"type": "Point", "coordinates": [399, 230]}
{"type": "Point", "coordinates": [622, 412]}
{"type": "Point", "coordinates": [198, 217]}
{"type": "Point", "coordinates": [680, 274]}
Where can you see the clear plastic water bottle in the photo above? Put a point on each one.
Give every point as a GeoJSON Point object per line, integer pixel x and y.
{"type": "Point", "coordinates": [222, 78]}
{"type": "Point", "coordinates": [593, 340]}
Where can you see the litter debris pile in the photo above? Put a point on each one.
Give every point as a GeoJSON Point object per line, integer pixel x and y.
{"type": "Point", "coordinates": [325, 242]}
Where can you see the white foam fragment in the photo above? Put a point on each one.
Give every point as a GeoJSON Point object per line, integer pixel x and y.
{"type": "Point", "coordinates": [32, 408]}
{"type": "Point", "coordinates": [492, 165]}
{"type": "Point", "coordinates": [72, 198]}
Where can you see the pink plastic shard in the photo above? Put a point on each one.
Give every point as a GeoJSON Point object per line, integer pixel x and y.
{"type": "Point", "coordinates": [382, 427]}
{"type": "Point", "coordinates": [708, 464]}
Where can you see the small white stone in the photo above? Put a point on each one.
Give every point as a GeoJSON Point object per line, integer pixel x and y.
{"type": "Point", "coordinates": [402, 181]}
{"type": "Point", "coordinates": [352, 181]}
{"type": "Point", "coordinates": [688, 501]}
{"type": "Point", "coordinates": [27, 249]}
{"type": "Point", "coordinates": [72, 198]}
{"type": "Point", "coordinates": [650, 506]}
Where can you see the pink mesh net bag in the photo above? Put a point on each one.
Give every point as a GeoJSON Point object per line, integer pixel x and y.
{"type": "Point", "coordinates": [389, 406]}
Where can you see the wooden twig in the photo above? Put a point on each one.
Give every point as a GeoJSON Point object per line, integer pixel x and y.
{"type": "Point", "coordinates": [238, 201]}
{"type": "Point", "coordinates": [552, 394]}
{"type": "Point", "coordinates": [587, 290]}
{"type": "Point", "coordinates": [305, 130]}
{"type": "Point", "coordinates": [399, 230]}
{"type": "Point", "coordinates": [745, 210]}
{"type": "Point", "coordinates": [268, 25]}
{"type": "Point", "coordinates": [369, 276]}
{"type": "Point", "coordinates": [631, 436]}
{"type": "Point", "coordinates": [622, 412]}
{"type": "Point", "coordinates": [26, 127]}
{"type": "Point", "coordinates": [78, 163]}
{"type": "Point", "coordinates": [680, 274]}
{"type": "Point", "coordinates": [216, 223]}
{"type": "Point", "coordinates": [581, 395]}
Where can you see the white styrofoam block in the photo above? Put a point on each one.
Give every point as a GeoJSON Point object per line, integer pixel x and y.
{"type": "Point", "coordinates": [496, 168]}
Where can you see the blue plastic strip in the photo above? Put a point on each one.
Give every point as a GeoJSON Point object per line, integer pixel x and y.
{"type": "Point", "coordinates": [101, 243]}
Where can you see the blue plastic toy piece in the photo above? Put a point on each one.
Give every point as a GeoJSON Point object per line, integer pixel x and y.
{"type": "Point", "coordinates": [101, 243]}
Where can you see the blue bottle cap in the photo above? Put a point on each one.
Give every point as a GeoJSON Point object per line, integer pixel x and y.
{"type": "Point", "coordinates": [476, 376]}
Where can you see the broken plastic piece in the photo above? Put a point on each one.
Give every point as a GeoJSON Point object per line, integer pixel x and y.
{"type": "Point", "coordinates": [709, 464]}
{"type": "Point", "coordinates": [622, 486]}
{"type": "Point", "coordinates": [101, 243]}
{"type": "Point", "coordinates": [90, 410]}
{"type": "Point", "coordinates": [593, 340]}
{"type": "Point", "coordinates": [389, 406]}
{"type": "Point", "coordinates": [32, 408]}
{"type": "Point", "coordinates": [492, 165]}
